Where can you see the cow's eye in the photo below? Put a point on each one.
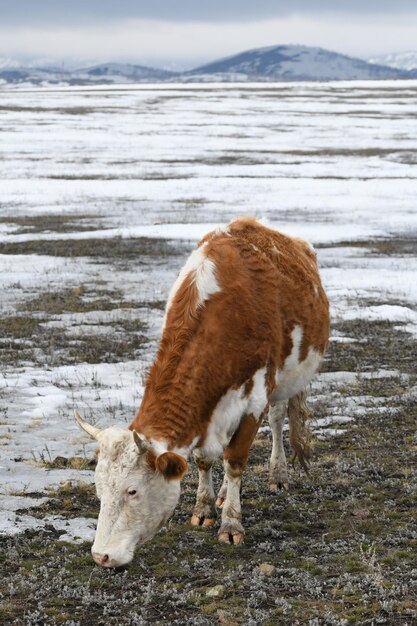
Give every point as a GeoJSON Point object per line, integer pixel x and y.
{"type": "Point", "coordinates": [131, 492]}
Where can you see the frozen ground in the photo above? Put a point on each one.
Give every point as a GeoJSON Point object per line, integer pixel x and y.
{"type": "Point", "coordinates": [103, 194]}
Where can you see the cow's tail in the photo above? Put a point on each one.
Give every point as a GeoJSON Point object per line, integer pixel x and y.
{"type": "Point", "coordinates": [300, 434]}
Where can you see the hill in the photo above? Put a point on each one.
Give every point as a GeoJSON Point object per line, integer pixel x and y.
{"type": "Point", "coordinates": [293, 63]}
{"type": "Point", "coordinates": [107, 73]}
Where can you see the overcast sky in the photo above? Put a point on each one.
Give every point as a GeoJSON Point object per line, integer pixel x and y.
{"type": "Point", "coordinates": [188, 32]}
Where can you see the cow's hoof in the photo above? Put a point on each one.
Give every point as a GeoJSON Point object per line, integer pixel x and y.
{"type": "Point", "coordinates": [278, 478]}
{"type": "Point", "coordinates": [231, 539]}
{"type": "Point", "coordinates": [204, 514]}
{"type": "Point", "coordinates": [231, 533]}
{"type": "Point", "coordinates": [275, 486]}
{"type": "Point", "coordinates": [201, 520]}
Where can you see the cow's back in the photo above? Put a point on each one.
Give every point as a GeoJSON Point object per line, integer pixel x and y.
{"type": "Point", "coordinates": [269, 285]}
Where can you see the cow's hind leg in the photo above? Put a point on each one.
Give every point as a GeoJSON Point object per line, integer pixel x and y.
{"type": "Point", "coordinates": [221, 496]}
{"type": "Point", "coordinates": [204, 512]}
{"type": "Point", "coordinates": [278, 473]}
{"type": "Point", "coordinates": [235, 459]}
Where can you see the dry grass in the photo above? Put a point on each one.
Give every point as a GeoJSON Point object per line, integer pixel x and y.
{"type": "Point", "coordinates": [117, 249]}
{"type": "Point", "coordinates": [342, 541]}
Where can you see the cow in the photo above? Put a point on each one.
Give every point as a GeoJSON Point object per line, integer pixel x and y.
{"type": "Point", "coordinates": [246, 326]}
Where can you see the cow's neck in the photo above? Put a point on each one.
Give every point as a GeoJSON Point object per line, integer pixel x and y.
{"type": "Point", "coordinates": [179, 401]}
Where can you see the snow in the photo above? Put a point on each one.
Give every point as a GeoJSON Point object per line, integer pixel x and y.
{"type": "Point", "coordinates": [401, 60]}
{"type": "Point", "coordinates": [44, 426]}
{"type": "Point", "coordinates": [330, 432]}
{"type": "Point", "coordinates": [333, 163]}
{"type": "Point", "coordinates": [75, 530]}
{"type": "Point", "coordinates": [328, 233]}
{"type": "Point", "coordinates": [389, 312]}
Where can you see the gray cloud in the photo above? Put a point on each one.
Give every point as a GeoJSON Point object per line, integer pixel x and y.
{"type": "Point", "coordinates": [188, 33]}
{"type": "Point", "coordinates": [54, 12]}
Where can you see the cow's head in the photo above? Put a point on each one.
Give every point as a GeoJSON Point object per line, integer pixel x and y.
{"type": "Point", "coordinates": [138, 491]}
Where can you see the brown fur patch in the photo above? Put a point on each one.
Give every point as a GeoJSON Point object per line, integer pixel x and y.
{"type": "Point", "coordinates": [171, 465]}
{"type": "Point", "coordinates": [270, 377]}
{"type": "Point", "coordinates": [237, 452]}
{"type": "Point", "coordinates": [248, 387]}
{"type": "Point", "coordinates": [151, 460]}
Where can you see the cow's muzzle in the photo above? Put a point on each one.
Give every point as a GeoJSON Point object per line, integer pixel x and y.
{"type": "Point", "coordinates": [104, 560]}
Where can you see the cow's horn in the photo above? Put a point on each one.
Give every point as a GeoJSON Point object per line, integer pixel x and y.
{"type": "Point", "coordinates": [141, 443]}
{"type": "Point", "coordinates": [93, 431]}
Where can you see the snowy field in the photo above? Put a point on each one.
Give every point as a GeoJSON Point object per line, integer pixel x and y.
{"type": "Point", "coordinates": [104, 191]}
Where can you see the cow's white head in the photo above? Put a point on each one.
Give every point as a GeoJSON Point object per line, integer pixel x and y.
{"type": "Point", "coordinates": [138, 491]}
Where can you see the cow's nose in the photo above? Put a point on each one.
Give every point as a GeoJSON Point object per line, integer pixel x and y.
{"type": "Point", "coordinates": [103, 559]}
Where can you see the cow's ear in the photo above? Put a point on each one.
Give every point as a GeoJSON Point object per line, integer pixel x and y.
{"type": "Point", "coordinates": [171, 465]}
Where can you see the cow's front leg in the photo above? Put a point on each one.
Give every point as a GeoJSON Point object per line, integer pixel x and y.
{"type": "Point", "coordinates": [204, 512]}
{"type": "Point", "coordinates": [235, 459]}
{"type": "Point", "coordinates": [231, 529]}
{"type": "Point", "coordinates": [278, 473]}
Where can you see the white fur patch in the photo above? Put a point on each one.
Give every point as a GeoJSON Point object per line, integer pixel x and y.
{"type": "Point", "coordinates": [258, 398]}
{"type": "Point", "coordinates": [110, 437]}
{"type": "Point", "coordinates": [229, 411]}
{"type": "Point", "coordinates": [205, 280]}
{"type": "Point", "coordinates": [294, 358]}
{"type": "Point", "coordinates": [295, 375]}
{"type": "Point", "coordinates": [311, 247]}
{"type": "Point", "coordinates": [204, 271]}
{"type": "Point", "coordinates": [224, 421]}
{"type": "Point", "coordinates": [185, 450]}
{"type": "Point", "coordinates": [159, 446]}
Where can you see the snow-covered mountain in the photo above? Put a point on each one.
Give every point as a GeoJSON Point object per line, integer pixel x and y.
{"type": "Point", "coordinates": [400, 60]}
{"type": "Point", "coordinates": [7, 63]}
{"type": "Point", "coordinates": [292, 63]}
{"type": "Point", "coordinates": [107, 73]}
{"type": "Point", "coordinates": [121, 72]}
{"type": "Point", "coordinates": [278, 63]}
{"type": "Point", "coordinates": [30, 75]}
{"type": "Point", "coordinates": [34, 62]}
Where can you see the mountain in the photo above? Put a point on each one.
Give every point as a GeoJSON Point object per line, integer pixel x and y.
{"type": "Point", "coordinates": [121, 72]}
{"type": "Point", "coordinates": [292, 63]}
{"type": "Point", "coordinates": [105, 74]}
{"type": "Point", "coordinates": [31, 75]}
{"type": "Point", "coordinates": [6, 63]}
{"type": "Point", "coordinates": [400, 60]}
{"type": "Point", "coordinates": [277, 63]}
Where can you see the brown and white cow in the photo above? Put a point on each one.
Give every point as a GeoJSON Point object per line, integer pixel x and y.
{"type": "Point", "coordinates": [246, 326]}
